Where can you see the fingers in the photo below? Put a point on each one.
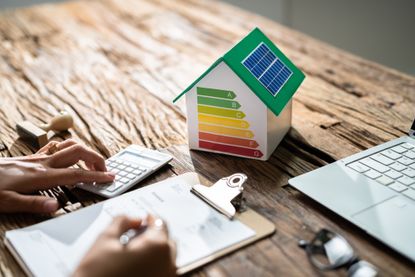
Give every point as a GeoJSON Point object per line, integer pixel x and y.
{"type": "Point", "coordinates": [52, 177]}
{"type": "Point", "coordinates": [70, 176]}
{"type": "Point", "coordinates": [65, 144]}
{"type": "Point", "coordinates": [75, 153]}
{"type": "Point", "coordinates": [157, 226]}
{"type": "Point", "coordinates": [173, 249]}
{"type": "Point", "coordinates": [13, 202]}
{"type": "Point", "coordinates": [45, 149]}
{"type": "Point", "coordinates": [57, 145]}
{"type": "Point", "coordinates": [122, 224]}
{"type": "Point", "coordinates": [156, 243]}
{"type": "Point", "coordinates": [156, 233]}
{"type": "Point", "coordinates": [90, 166]}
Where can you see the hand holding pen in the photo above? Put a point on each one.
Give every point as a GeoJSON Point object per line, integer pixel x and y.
{"type": "Point", "coordinates": [126, 237]}
{"type": "Point", "coordinates": [131, 247]}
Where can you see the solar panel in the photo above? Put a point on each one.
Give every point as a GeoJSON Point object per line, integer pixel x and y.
{"type": "Point", "coordinates": [267, 68]}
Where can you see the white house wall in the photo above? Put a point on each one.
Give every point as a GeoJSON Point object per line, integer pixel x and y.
{"type": "Point", "coordinates": [278, 126]}
{"type": "Point", "coordinates": [222, 77]}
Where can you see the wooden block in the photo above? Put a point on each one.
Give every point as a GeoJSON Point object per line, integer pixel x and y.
{"type": "Point", "coordinates": [32, 134]}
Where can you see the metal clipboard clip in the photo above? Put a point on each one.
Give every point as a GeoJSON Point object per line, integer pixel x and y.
{"type": "Point", "coordinates": [225, 195]}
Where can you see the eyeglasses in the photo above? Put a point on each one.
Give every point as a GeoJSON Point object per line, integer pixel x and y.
{"type": "Point", "coordinates": [330, 251]}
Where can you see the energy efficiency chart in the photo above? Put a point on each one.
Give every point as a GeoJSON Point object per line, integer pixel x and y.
{"type": "Point", "coordinates": [221, 124]}
{"type": "Point", "coordinates": [242, 104]}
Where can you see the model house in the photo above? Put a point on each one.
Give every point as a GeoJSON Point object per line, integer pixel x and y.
{"type": "Point", "coordinates": [242, 104]}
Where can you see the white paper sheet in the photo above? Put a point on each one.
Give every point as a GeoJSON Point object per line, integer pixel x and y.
{"type": "Point", "coordinates": [55, 247]}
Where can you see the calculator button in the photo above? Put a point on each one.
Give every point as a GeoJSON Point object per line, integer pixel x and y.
{"type": "Point", "coordinates": [382, 159]}
{"type": "Point", "coordinates": [124, 180]}
{"type": "Point", "coordinates": [114, 161]}
{"type": "Point", "coordinates": [399, 149]}
{"type": "Point", "coordinates": [115, 170]}
{"type": "Point", "coordinates": [398, 187]}
{"type": "Point", "coordinates": [114, 187]}
{"type": "Point", "coordinates": [359, 167]}
{"type": "Point", "coordinates": [398, 166]}
{"type": "Point", "coordinates": [408, 145]}
{"type": "Point", "coordinates": [118, 167]}
{"type": "Point", "coordinates": [385, 180]}
{"type": "Point", "coordinates": [409, 172]}
{"type": "Point", "coordinates": [405, 160]}
{"type": "Point", "coordinates": [137, 172]}
{"type": "Point", "coordinates": [122, 173]}
{"type": "Point", "coordinates": [410, 154]}
{"type": "Point", "coordinates": [372, 174]}
{"type": "Point", "coordinates": [129, 169]}
{"type": "Point", "coordinates": [406, 180]}
{"type": "Point", "coordinates": [131, 176]}
{"type": "Point", "coordinates": [134, 166]}
{"type": "Point", "coordinates": [393, 174]}
{"type": "Point", "coordinates": [375, 165]}
{"type": "Point", "coordinates": [104, 186]}
{"type": "Point", "coordinates": [121, 166]}
{"type": "Point", "coordinates": [390, 154]}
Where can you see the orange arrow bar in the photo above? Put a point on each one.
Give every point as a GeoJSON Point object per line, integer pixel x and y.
{"type": "Point", "coordinates": [241, 133]}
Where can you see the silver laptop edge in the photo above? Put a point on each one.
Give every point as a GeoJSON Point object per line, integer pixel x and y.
{"type": "Point", "coordinates": [381, 211]}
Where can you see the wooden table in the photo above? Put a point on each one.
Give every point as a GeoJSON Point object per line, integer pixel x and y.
{"type": "Point", "coordinates": [116, 66]}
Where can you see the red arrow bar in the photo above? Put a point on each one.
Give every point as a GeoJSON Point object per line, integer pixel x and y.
{"type": "Point", "coordinates": [230, 149]}
{"type": "Point", "coordinates": [228, 140]}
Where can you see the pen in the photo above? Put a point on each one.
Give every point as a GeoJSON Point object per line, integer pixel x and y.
{"type": "Point", "coordinates": [126, 237]}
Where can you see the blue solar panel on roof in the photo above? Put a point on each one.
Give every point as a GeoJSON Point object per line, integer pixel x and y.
{"type": "Point", "coordinates": [270, 71]}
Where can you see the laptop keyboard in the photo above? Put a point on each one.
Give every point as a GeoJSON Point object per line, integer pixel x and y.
{"type": "Point", "coordinates": [393, 167]}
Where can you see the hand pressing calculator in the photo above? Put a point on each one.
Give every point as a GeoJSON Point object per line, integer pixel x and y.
{"type": "Point", "coordinates": [131, 166]}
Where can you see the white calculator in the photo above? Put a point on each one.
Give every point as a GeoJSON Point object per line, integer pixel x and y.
{"type": "Point", "coordinates": [130, 165]}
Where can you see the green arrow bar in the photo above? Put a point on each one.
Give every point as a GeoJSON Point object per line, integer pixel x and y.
{"type": "Point", "coordinates": [220, 112]}
{"type": "Point", "coordinates": [226, 94]}
{"type": "Point", "coordinates": [218, 102]}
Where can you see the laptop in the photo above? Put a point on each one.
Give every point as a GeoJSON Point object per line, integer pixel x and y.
{"type": "Point", "coordinates": [374, 189]}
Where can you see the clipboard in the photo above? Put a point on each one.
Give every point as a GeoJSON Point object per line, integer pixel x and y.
{"type": "Point", "coordinates": [20, 242]}
{"type": "Point", "coordinates": [223, 197]}
{"type": "Point", "coordinates": [262, 227]}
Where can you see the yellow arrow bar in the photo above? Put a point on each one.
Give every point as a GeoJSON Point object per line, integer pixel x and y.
{"type": "Point", "coordinates": [223, 121]}
{"type": "Point", "coordinates": [225, 131]}
{"type": "Point", "coordinates": [220, 112]}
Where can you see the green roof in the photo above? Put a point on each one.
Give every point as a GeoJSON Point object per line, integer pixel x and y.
{"type": "Point", "coordinates": [234, 58]}
{"type": "Point", "coordinates": [198, 79]}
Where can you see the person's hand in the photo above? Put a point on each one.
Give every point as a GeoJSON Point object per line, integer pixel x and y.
{"type": "Point", "coordinates": [49, 167]}
{"type": "Point", "coordinates": [149, 254]}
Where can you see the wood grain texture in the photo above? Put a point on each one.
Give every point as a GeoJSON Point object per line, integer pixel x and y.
{"type": "Point", "coordinates": [116, 65]}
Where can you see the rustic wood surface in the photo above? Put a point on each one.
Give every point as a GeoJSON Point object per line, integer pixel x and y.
{"type": "Point", "coordinates": [116, 66]}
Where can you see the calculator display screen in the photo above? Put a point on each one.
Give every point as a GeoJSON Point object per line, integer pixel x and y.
{"type": "Point", "coordinates": [139, 159]}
